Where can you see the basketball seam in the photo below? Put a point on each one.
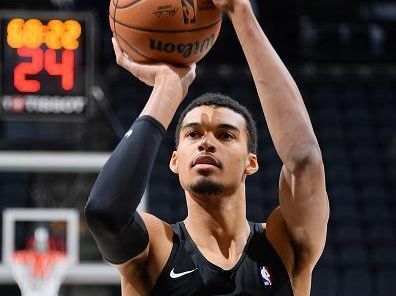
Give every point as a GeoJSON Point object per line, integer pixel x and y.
{"type": "Point", "coordinates": [164, 31]}
{"type": "Point", "coordinates": [119, 37]}
{"type": "Point", "coordinates": [126, 6]}
{"type": "Point", "coordinates": [113, 18]}
{"type": "Point", "coordinates": [136, 50]}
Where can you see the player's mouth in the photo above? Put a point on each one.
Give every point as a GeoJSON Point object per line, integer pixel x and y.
{"type": "Point", "coordinates": [205, 161]}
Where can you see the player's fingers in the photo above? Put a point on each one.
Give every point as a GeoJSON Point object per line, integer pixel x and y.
{"type": "Point", "coordinates": [193, 67]}
{"type": "Point", "coordinates": [118, 52]}
{"type": "Point", "coordinates": [122, 58]}
{"type": "Point", "coordinates": [191, 73]}
{"type": "Point", "coordinates": [126, 62]}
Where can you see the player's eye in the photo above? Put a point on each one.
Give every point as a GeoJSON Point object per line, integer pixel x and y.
{"type": "Point", "coordinates": [227, 136]}
{"type": "Point", "coordinates": [192, 134]}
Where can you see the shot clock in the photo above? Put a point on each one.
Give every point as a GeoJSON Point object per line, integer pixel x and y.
{"type": "Point", "coordinates": [46, 62]}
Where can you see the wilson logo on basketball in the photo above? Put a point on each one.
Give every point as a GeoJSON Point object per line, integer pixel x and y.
{"type": "Point", "coordinates": [188, 11]}
{"type": "Point", "coordinates": [185, 49]}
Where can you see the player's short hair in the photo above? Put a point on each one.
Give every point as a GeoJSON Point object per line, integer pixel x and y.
{"type": "Point", "coordinates": [218, 100]}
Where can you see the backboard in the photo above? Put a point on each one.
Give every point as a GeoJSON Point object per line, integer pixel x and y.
{"type": "Point", "coordinates": [78, 273]}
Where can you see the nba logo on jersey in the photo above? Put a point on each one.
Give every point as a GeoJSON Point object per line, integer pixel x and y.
{"type": "Point", "coordinates": [266, 276]}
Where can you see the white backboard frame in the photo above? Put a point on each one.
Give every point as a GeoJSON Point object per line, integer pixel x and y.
{"type": "Point", "coordinates": [62, 162]}
{"type": "Point", "coordinates": [13, 215]}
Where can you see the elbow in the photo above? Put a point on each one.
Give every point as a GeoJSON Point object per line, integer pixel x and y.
{"type": "Point", "coordinates": [102, 217]}
{"type": "Point", "coordinates": [308, 159]}
{"type": "Point", "coordinates": [97, 217]}
{"type": "Point", "coordinates": [92, 213]}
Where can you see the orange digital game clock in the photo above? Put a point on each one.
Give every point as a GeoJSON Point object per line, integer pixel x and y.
{"type": "Point", "coordinates": [46, 64]}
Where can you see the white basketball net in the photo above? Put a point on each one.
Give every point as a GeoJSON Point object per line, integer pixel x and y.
{"type": "Point", "coordinates": [39, 273]}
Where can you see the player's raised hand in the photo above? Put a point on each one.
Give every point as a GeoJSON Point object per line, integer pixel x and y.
{"type": "Point", "coordinates": [178, 77]}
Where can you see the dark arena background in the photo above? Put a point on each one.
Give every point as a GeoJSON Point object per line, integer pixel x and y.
{"type": "Point", "coordinates": [55, 136]}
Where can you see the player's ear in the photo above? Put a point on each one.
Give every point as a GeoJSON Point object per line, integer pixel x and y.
{"type": "Point", "coordinates": [251, 164]}
{"type": "Point", "coordinates": [173, 163]}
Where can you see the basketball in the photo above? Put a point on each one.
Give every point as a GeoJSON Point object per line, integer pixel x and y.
{"type": "Point", "coordinates": [171, 31]}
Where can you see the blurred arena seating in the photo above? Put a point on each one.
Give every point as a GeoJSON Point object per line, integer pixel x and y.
{"type": "Point", "coordinates": [342, 55]}
{"type": "Point", "coordinates": [353, 114]}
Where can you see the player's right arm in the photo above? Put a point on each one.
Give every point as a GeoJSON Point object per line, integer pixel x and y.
{"type": "Point", "coordinates": [123, 235]}
{"type": "Point", "coordinates": [297, 229]}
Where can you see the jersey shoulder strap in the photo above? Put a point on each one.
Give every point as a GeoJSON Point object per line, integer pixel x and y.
{"type": "Point", "coordinates": [177, 267]}
{"type": "Point", "coordinates": [270, 264]}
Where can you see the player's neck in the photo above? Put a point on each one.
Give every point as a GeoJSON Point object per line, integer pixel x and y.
{"type": "Point", "coordinates": [218, 221]}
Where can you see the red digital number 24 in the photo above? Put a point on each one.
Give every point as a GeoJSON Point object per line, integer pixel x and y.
{"type": "Point", "coordinates": [40, 60]}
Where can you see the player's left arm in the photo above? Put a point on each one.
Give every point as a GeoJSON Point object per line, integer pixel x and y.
{"type": "Point", "coordinates": [304, 208]}
{"type": "Point", "coordinates": [298, 227]}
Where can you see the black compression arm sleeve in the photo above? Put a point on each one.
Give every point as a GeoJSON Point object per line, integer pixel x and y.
{"type": "Point", "coordinates": [111, 208]}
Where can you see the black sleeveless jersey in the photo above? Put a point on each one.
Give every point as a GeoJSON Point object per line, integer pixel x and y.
{"type": "Point", "coordinates": [259, 271]}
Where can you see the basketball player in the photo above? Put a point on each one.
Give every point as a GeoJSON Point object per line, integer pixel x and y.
{"type": "Point", "coordinates": [215, 250]}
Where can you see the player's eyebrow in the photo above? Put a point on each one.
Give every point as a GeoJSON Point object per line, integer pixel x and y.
{"type": "Point", "coordinates": [222, 126]}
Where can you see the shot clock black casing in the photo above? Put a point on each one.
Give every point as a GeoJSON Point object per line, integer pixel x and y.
{"type": "Point", "coordinates": [51, 102]}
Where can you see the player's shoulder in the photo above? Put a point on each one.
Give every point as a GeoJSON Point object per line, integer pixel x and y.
{"type": "Point", "coordinates": [155, 225]}
{"type": "Point", "coordinates": [143, 270]}
{"type": "Point", "coordinates": [160, 244]}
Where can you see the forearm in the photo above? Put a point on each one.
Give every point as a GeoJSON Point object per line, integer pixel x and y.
{"type": "Point", "coordinates": [110, 210]}
{"type": "Point", "coordinates": [282, 104]}
{"type": "Point", "coordinates": [164, 101]}
{"type": "Point", "coordinates": [124, 177]}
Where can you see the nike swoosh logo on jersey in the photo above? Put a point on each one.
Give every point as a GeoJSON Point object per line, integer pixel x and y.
{"type": "Point", "coordinates": [175, 275]}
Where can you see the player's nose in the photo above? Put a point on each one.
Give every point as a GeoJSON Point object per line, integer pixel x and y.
{"type": "Point", "coordinates": [206, 145]}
